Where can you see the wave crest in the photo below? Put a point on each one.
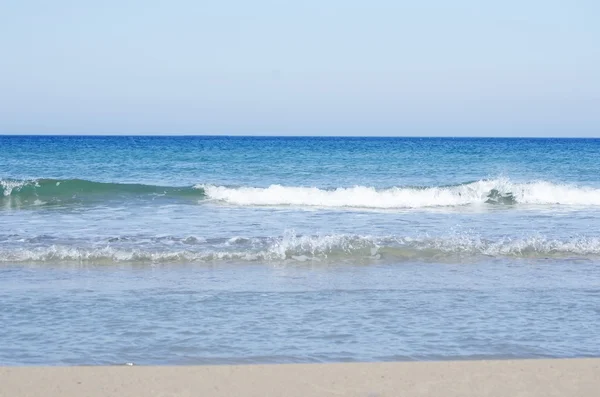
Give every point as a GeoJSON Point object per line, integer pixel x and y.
{"type": "Point", "coordinates": [66, 190]}
{"type": "Point", "coordinates": [500, 191]}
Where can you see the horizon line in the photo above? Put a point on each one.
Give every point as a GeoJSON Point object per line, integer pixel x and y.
{"type": "Point", "coordinates": [291, 136]}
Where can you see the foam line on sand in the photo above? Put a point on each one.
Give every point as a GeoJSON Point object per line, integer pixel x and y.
{"type": "Point", "coordinates": [568, 377]}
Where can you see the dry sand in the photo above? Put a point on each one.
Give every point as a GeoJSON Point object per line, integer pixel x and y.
{"type": "Point", "coordinates": [579, 377]}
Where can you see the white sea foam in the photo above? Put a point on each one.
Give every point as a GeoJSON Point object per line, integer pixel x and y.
{"type": "Point", "coordinates": [316, 248]}
{"type": "Point", "coordinates": [504, 247]}
{"type": "Point", "coordinates": [8, 185]}
{"type": "Point", "coordinates": [480, 192]}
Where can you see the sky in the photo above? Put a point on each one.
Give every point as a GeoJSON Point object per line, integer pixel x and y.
{"type": "Point", "coordinates": [326, 67]}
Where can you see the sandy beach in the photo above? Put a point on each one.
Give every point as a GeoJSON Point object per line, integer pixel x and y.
{"type": "Point", "coordinates": [568, 377]}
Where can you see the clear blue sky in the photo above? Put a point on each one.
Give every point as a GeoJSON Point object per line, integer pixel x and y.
{"type": "Point", "coordinates": [303, 67]}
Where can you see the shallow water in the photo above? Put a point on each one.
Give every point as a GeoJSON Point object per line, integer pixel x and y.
{"type": "Point", "coordinates": [234, 250]}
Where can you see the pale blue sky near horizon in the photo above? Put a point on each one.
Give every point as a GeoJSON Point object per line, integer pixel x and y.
{"type": "Point", "coordinates": [376, 68]}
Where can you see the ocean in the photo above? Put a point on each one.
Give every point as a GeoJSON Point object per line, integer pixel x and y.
{"type": "Point", "coordinates": [221, 250]}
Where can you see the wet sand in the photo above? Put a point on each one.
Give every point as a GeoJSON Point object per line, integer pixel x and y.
{"type": "Point", "coordinates": [569, 377]}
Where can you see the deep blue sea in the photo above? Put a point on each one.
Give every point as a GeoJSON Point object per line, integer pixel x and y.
{"type": "Point", "coordinates": [196, 250]}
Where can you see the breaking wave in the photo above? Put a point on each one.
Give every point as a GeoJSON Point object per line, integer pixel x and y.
{"type": "Point", "coordinates": [493, 191]}
{"type": "Point", "coordinates": [500, 191]}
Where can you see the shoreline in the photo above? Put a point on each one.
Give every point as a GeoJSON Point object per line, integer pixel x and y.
{"type": "Point", "coordinates": [528, 377]}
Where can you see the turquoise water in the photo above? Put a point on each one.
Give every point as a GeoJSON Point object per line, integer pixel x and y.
{"type": "Point", "coordinates": [186, 250]}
